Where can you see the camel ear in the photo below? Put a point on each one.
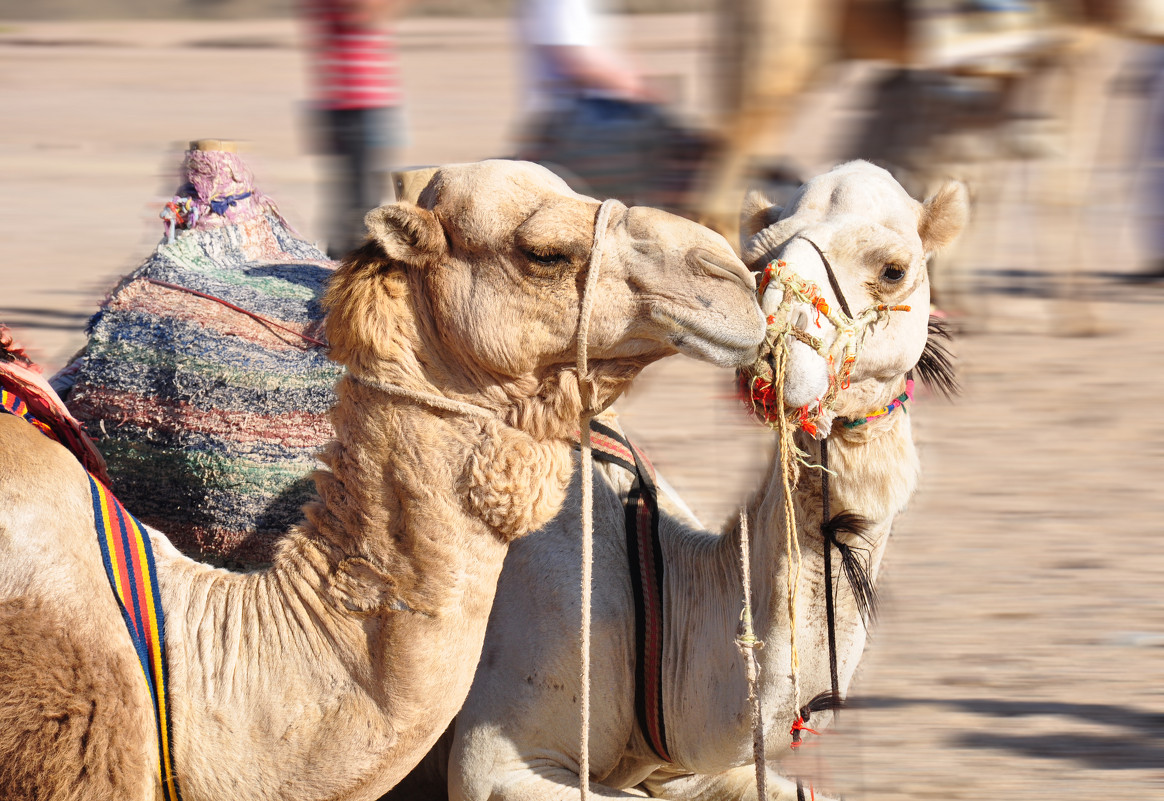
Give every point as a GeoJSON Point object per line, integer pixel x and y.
{"type": "Point", "coordinates": [758, 213]}
{"type": "Point", "coordinates": [407, 232]}
{"type": "Point", "coordinates": [944, 216]}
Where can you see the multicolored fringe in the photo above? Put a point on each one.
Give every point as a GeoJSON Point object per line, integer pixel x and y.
{"type": "Point", "coordinates": [14, 404]}
{"type": "Point", "coordinates": [129, 565]}
{"type": "Point", "coordinates": [645, 555]}
{"type": "Point", "coordinates": [210, 420]}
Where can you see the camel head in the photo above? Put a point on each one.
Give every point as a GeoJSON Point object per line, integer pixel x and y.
{"type": "Point", "coordinates": [493, 258]}
{"type": "Point", "coordinates": [858, 221]}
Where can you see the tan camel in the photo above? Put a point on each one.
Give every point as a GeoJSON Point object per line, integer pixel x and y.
{"type": "Point", "coordinates": [1047, 65]}
{"type": "Point", "coordinates": [769, 52]}
{"type": "Point", "coordinates": [328, 675]}
{"type": "Point", "coordinates": [516, 738]}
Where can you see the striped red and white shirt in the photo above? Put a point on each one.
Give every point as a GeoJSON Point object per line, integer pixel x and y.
{"type": "Point", "coordinates": [353, 63]}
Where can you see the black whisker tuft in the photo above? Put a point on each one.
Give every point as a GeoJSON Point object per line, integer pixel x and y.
{"type": "Point", "coordinates": [936, 365]}
{"type": "Point", "coordinates": [821, 703]}
{"type": "Point", "coordinates": [854, 561]}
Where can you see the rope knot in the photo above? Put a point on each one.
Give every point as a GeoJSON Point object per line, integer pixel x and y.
{"type": "Point", "coordinates": [798, 726]}
{"type": "Point", "coordinates": [749, 641]}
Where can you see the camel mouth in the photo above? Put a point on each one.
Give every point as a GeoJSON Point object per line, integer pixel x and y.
{"type": "Point", "coordinates": [726, 343]}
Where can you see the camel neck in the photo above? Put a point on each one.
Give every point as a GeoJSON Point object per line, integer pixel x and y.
{"type": "Point", "coordinates": [871, 477]}
{"type": "Point", "coordinates": [388, 584]}
{"type": "Point", "coordinates": [416, 491]}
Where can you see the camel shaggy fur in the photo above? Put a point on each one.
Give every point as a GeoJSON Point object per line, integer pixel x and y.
{"type": "Point", "coordinates": [330, 674]}
{"type": "Point", "coordinates": [517, 737]}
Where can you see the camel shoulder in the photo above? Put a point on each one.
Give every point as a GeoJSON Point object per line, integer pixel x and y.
{"type": "Point", "coordinates": [70, 708]}
{"type": "Point", "coordinates": [45, 500]}
{"type": "Point", "coordinates": [32, 461]}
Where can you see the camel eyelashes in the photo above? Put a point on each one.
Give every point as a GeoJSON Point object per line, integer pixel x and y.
{"type": "Point", "coordinates": [892, 273]}
{"type": "Point", "coordinates": [545, 261]}
{"type": "Point", "coordinates": [547, 257]}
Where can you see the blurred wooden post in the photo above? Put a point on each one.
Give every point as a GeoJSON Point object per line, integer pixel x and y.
{"type": "Point", "coordinates": [222, 145]}
{"type": "Point", "coordinates": [408, 184]}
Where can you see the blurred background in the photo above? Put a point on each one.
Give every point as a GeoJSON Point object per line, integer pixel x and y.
{"type": "Point", "coordinates": [1021, 650]}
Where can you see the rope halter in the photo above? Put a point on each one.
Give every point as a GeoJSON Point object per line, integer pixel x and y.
{"type": "Point", "coordinates": [761, 383]}
{"type": "Point", "coordinates": [444, 403]}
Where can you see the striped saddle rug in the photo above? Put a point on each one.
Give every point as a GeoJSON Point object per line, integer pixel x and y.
{"type": "Point", "coordinates": [204, 382]}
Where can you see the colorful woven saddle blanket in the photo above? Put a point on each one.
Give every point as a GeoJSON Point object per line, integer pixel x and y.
{"type": "Point", "coordinates": [645, 563]}
{"type": "Point", "coordinates": [125, 550]}
{"type": "Point", "coordinates": [206, 388]}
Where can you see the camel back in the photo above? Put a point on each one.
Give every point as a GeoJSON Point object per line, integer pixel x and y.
{"type": "Point", "coordinates": [208, 418]}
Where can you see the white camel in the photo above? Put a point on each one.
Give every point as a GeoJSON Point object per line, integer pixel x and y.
{"type": "Point", "coordinates": [517, 736]}
{"type": "Point", "coordinates": [328, 675]}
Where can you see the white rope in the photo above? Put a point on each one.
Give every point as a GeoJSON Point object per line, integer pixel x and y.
{"type": "Point", "coordinates": [427, 398]}
{"type": "Point", "coordinates": [584, 390]}
{"type": "Point", "coordinates": [792, 541]}
{"type": "Point", "coordinates": [748, 645]}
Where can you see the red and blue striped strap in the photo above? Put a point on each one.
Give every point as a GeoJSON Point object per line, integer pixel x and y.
{"type": "Point", "coordinates": [129, 565]}
{"type": "Point", "coordinates": [645, 560]}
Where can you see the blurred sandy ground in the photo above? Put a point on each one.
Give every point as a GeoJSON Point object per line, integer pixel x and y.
{"type": "Point", "coordinates": [1021, 648]}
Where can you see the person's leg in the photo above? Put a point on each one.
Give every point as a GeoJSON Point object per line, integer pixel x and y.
{"type": "Point", "coordinates": [383, 133]}
{"type": "Point", "coordinates": [366, 139]}
{"type": "Point", "coordinates": [1151, 172]}
{"type": "Point", "coordinates": [345, 144]}
{"type": "Point", "coordinates": [1154, 172]}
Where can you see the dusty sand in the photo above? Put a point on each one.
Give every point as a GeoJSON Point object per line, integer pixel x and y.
{"type": "Point", "coordinates": [1020, 652]}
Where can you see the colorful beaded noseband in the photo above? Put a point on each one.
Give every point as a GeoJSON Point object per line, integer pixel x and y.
{"type": "Point", "coordinates": [761, 383]}
{"type": "Point", "coordinates": [894, 405]}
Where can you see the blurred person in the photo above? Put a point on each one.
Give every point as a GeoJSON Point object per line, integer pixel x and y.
{"type": "Point", "coordinates": [569, 58]}
{"type": "Point", "coordinates": [356, 107]}
{"type": "Point", "coordinates": [593, 119]}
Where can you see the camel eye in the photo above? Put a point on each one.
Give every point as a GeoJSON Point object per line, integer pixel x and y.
{"type": "Point", "coordinates": [546, 261]}
{"type": "Point", "coordinates": [892, 273]}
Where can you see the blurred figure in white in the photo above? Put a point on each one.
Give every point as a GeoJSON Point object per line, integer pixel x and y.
{"type": "Point", "coordinates": [569, 55]}
{"type": "Point", "coordinates": [591, 116]}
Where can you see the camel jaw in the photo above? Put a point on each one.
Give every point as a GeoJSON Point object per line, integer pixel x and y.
{"type": "Point", "coordinates": [723, 342]}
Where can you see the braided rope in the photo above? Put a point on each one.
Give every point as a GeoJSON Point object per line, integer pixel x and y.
{"type": "Point", "coordinates": [429, 399]}
{"type": "Point", "coordinates": [584, 388]}
{"type": "Point", "coordinates": [792, 543]}
{"type": "Point", "coordinates": [748, 644]}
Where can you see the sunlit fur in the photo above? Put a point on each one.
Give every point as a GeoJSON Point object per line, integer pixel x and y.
{"type": "Point", "coordinates": [331, 673]}
{"type": "Point", "coordinates": [516, 738]}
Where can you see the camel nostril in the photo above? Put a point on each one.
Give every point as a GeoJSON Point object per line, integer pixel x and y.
{"type": "Point", "coordinates": [727, 267]}
{"type": "Point", "coordinates": [800, 322]}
